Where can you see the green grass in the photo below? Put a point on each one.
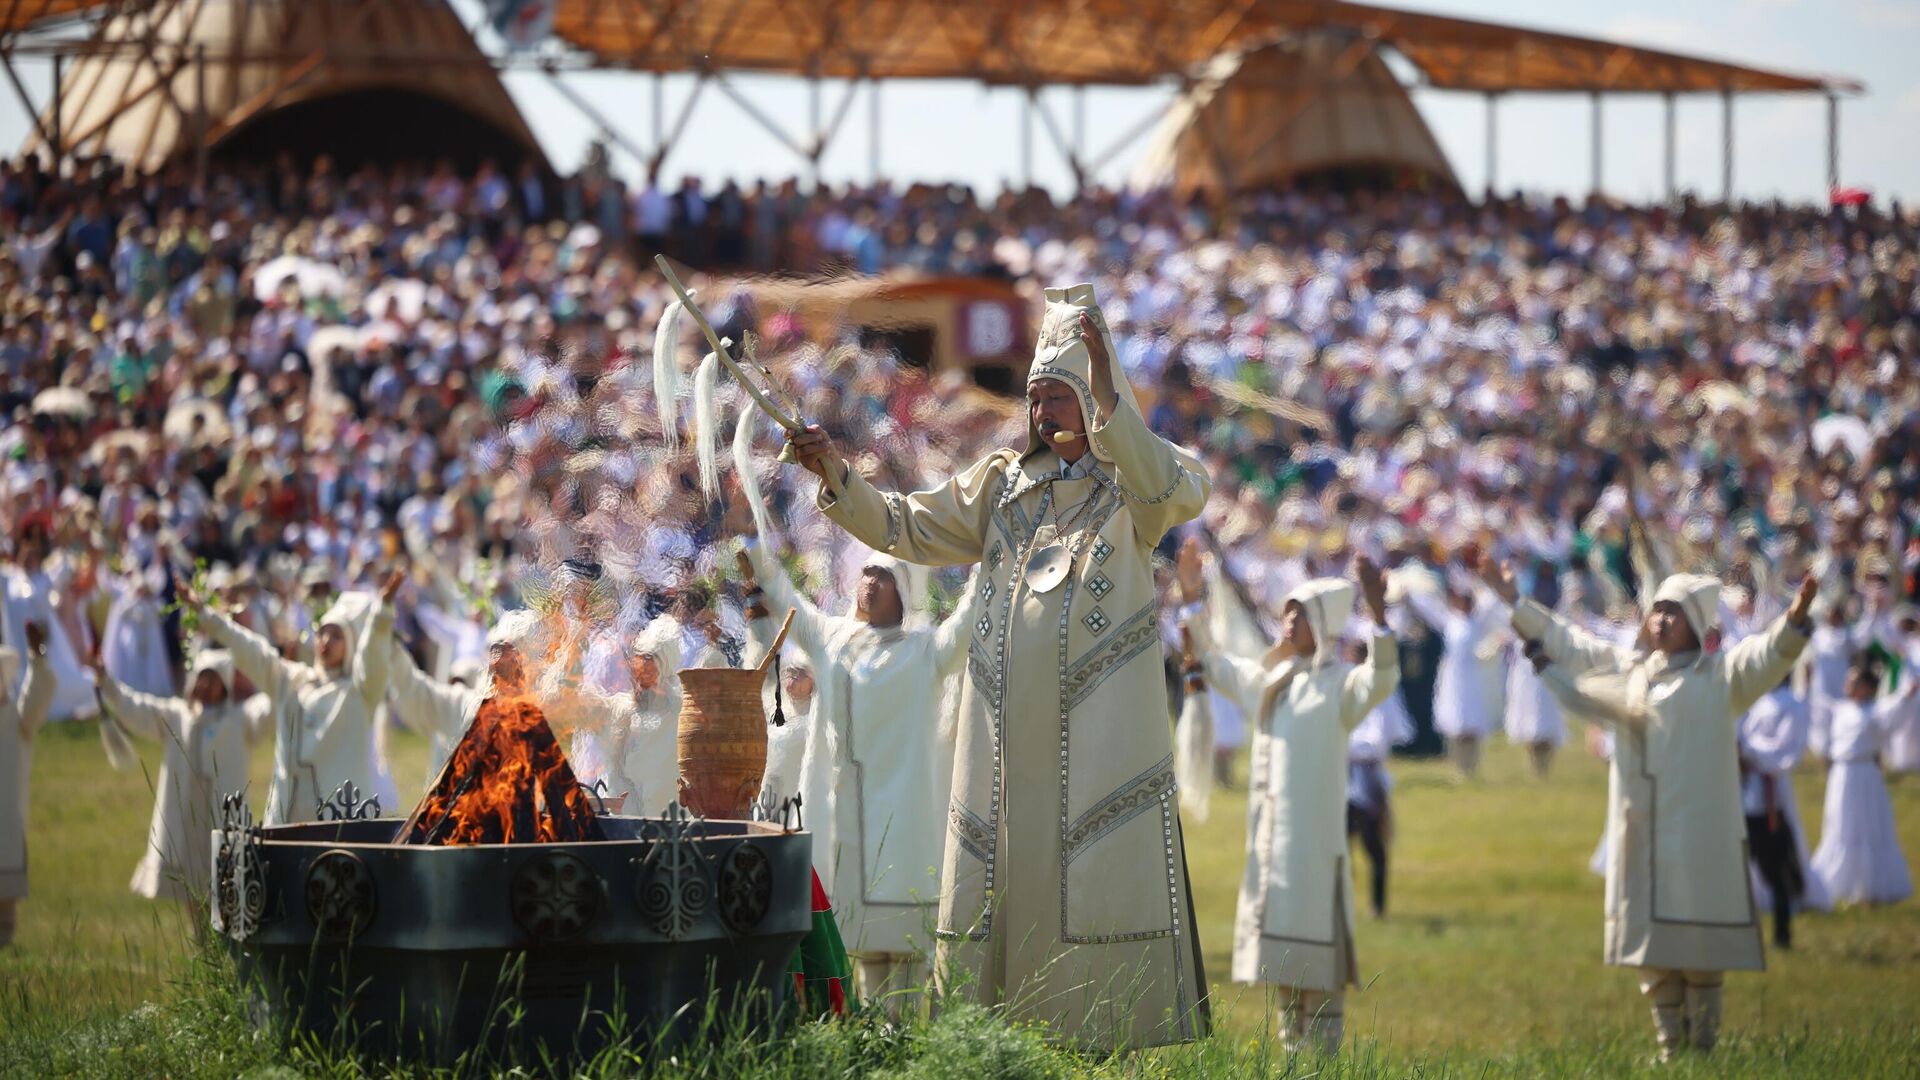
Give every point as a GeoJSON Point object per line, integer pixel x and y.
{"type": "Point", "coordinates": [1487, 965]}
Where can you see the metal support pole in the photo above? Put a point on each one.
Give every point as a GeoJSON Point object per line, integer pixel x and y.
{"type": "Point", "coordinates": [873, 131]}
{"type": "Point", "coordinates": [1833, 141]}
{"type": "Point", "coordinates": [1598, 143]}
{"type": "Point", "coordinates": [1026, 139]}
{"type": "Point", "coordinates": [59, 147]}
{"type": "Point", "coordinates": [200, 126]}
{"type": "Point", "coordinates": [659, 123]}
{"type": "Point", "coordinates": [1673, 188]}
{"type": "Point", "coordinates": [1493, 145]}
{"type": "Point", "coordinates": [1080, 130]}
{"type": "Point", "coordinates": [818, 143]}
{"type": "Point", "coordinates": [1726, 147]}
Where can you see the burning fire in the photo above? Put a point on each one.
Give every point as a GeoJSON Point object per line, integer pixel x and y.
{"type": "Point", "coordinates": [506, 783]}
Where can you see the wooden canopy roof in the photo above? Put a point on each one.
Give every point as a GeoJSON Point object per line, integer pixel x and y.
{"type": "Point", "coordinates": [1048, 42]}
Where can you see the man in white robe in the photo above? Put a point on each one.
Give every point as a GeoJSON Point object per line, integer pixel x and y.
{"type": "Point", "coordinates": [1065, 890]}
{"type": "Point", "coordinates": [1773, 735]}
{"type": "Point", "coordinates": [446, 710]}
{"type": "Point", "coordinates": [869, 774]}
{"type": "Point", "coordinates": [1293, 927]}
{"type": "Point", "coordinates": [322, 712]}
{"type": "Point", "coordinates": [1678, 905]}
{"type": "Point", "coordinates": [203, 740]}
{"type": "Point", "coordinates": [20, 719]}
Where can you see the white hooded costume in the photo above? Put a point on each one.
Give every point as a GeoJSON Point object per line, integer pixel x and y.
{"type": "Point", "coordinates": [646, 724]}
{"type": "Point", "coordinates": [28, 598]}
{"type": "Point", "coordinates": [1462, 705]}
{"type": "Point", "coordinates": [133, 646]}
{"type": "Point", "coordinates": [870, 776]}
{"type": "Point", "coordinates": [1859, 860]}
{"type": "Point", "coordinates": [1064, 887]}
{"type": "Point", "coordinates": [1678, 902]}
{"type": "Point", "coordinates": [20, 719]}
{"type": "Point", "coordinates": [203, 759]}
{"type": "Point", "coordinates": [1293, 925]}
{"type": "Point", "coordinates": [323, 719]}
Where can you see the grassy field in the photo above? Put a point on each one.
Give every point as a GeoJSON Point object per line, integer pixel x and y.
{"type": "Point", "coordinates": [1487, 964]}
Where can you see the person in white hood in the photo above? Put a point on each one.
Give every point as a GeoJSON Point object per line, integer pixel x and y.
{"type": "Point", "coordinates": [645, 722]}
{"type": "Point", "coordinates": [204, 739]}
{"type": "Point", "coordinates": [870, 771]}
{"type": "Point", "coordinates": [20, 720]}
{"type": "Point", "coordinates": [322, 712]}
{"type": "Point", "coordinates": [1293, 926]}
{"type": "Point", "coordinates": [1462, 710]}
{"type": "Point", "coordinates": [1678, 905]}
{"type": "Point", "coordinates": [445, 710]}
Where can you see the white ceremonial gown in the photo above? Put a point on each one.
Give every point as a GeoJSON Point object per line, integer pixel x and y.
{"type": "Point", "coordinates": [1293, 925]}
{"type": "Point", "coordinates": [1461, 705]}
{"type": "Point", "coordinates": [1677, 894]}
{"type": "Point", "coordinates": [1859, 860]}
{"type": "Point", "coordinates": [1064, 879]}
{"type": "Point", "coordinates": [203, 759]}
{"type": "Point", "coordinates": [28, 597]}
{"type": "Point", "coordinates": [20, 719]}
{"type": "Point", "coordinates": [869, 774]}
{"type": "Point", "coordinates": [323, 720]}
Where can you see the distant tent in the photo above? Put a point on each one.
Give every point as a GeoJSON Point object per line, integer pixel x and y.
{"type": "Point", "coordinates": [360, 80]}
{"type": "Point", "coordinates": [1318, 105]}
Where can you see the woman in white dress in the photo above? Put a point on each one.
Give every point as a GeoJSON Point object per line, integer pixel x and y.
{"type": "Point", "coordinates": [1465, 619]}
{"type": "Point", "coordinates": [20, 719]}
{"type": "Point", "coordinates": [1859, 860]}
{"type": "Point", "coordinates": [203, 739]}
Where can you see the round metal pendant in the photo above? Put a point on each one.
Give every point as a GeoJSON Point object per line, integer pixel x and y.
{"type": "Point", "coordinates": [1047, 568]}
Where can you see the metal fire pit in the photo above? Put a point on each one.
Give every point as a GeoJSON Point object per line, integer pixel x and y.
{"type": "Point", "coordinates": [427, 952]}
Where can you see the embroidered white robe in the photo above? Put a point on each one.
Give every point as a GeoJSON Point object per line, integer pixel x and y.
{"type": "Point", "coordinates": [1064, 874]}
{"type": "Point", "coordinates": [1293, 925]}
{"type": "Point", "coordinates": [1677, 894]}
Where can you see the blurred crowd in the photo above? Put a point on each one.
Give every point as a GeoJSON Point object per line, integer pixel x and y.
{"type": "Point", "coordinates": [294, 378]}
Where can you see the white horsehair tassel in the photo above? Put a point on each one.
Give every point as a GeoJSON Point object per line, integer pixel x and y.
{"type": "Point", "coordinates": [666, 373]}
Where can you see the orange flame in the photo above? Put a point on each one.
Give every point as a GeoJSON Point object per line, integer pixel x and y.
{"type": "Point", "coordinates": [507, 782]}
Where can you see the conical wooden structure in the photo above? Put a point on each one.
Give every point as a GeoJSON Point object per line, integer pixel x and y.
{"type": "Point", "coordinates": [1317, 103]}
{"type": "Point", "coordinates": [248, 79]}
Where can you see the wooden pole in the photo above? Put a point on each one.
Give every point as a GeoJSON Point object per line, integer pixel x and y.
{"type": "Point", "coordinates": [1493, 145]}
{"type": "Point", "coordinates": [1726, 147]}
{"type": "Point", "coordinates": [1673, 188]}
{"type": "Point", "coordinates": [1598, 146]}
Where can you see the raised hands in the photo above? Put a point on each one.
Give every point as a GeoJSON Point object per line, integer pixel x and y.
{"type": "Point", "coordinates": [1498, 576]}
{"type": "Point", "coordinates": [1189, 568]}
{"type": "Point", "coordinates": [1803, 601]}
{"type": "Point", "coordinates": [1373, 586]}
{"type": "Point", "coordinates": [1101, 365]}
{"type": "Point", "coordinates": [391, 585]}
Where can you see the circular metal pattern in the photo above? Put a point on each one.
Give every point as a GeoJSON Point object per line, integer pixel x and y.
{"type": "Point", "coordinates": [1047, 568]}
{"type": "Point", "coordinates": [746, 887]}
{"type": "Point", "coordinates": [341, 898]}
{"type": "Point", "coordinates": [674, 892]}
{"type": "Point", "coordinates": [556, 896]}
{"type": "Point", "coordinates": [240, 887]}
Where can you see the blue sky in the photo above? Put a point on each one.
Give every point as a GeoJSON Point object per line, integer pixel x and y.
{"type": "Point", "coordinates": [960, 131]}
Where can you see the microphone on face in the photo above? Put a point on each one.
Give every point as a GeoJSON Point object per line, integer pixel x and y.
{"type": "Point", "coordinates": [1066, 436]}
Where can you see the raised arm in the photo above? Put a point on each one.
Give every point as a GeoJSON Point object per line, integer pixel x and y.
{"type": "Point", "coordinates": [155, 718]}
{"type": "Point", "coordinates": [955, 632]}
{"type": "Point", "coordinates": [1757, 665]}
{"type": "Point", "coordinates": [253, 655]}
{"type": "Point", "coordinates": [1598, 696]}
{"type": "Point", "coordinates": [1164, 485]}
{"type": "Point", "coordinates": [1433, 611]}
{"type": "Point", "coordinates": [811, 626]}
{"type": "Point", "coordinates": [942, 526]}
{"type": "Point", "coordinates": [439, 704]}
{"type": "Point", "coordinates": [36, 693]}
{"type": "Point", "coordinates": [373, 668]}
{"type": "Point", "coordinates": [1369, 685]}
{"type": "Point", "coordinates": [1240, 678]}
